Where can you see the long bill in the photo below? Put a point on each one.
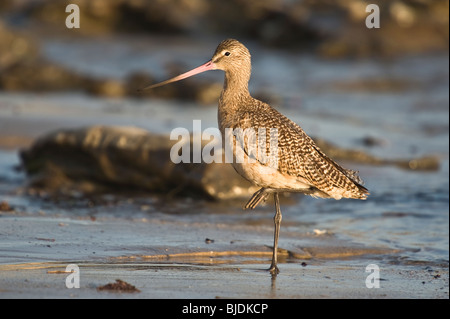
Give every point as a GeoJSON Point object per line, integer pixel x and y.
{"type": "Point", "coordinates": [202, 68]}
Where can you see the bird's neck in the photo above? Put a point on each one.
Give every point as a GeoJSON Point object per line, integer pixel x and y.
{"type": "Point", "coordinates": [235, 89]}
{"type": "Point", "coordinates": [233, 99]}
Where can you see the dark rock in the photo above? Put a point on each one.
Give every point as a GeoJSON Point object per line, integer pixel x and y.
{"type": "Point", "coordinates": [39, 75]}
{"type": "Point", "coordinates": [5, 207]}
{"type": "Point", "coordinates": [99, 159]}
{"type": "Point", "coordinates": [15, 48]}
{"type": "Point", "coordinates": [22, 67]}
{"type": "Point", "coordinates": [106, 88]}
{"type": "Point", "coordinates": [406, 27]}
{"type": "Point", "coordinates": [119, 286]}
{"type": "Point", "coordinates": [102, 17]}
{"type": "Point", "coordinates": [371, 141]}
{"type": "Point", "coordinates": [425, 163]}
{"type": "Point", "coordinates": [334, 29]}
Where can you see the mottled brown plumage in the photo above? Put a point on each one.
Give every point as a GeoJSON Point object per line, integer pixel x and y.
{"type": "Point", "coordinates": [298, 155]}
{"type": "Point", "coordinates": [300, 166]}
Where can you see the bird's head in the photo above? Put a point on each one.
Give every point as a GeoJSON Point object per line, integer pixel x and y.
{"type": "Point", "coordinates": [231, 56]}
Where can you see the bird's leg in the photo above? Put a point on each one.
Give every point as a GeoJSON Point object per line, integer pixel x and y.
{"type": "Point", "coordinates": [257, 198]}
{"type": "Point", "coordinates": [277, 221]}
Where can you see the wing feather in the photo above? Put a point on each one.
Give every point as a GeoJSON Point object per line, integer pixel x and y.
{"type": "Point", "coordinates": [298, 155]}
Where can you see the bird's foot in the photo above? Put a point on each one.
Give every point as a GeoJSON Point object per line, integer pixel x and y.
{"type": "Point", "coordinates": [274, 270]}
{"type": "Point", "coordinates": [257, 197]}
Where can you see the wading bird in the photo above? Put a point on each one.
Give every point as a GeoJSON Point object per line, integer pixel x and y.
{"type": "Point", "coordinates": [300, 165]}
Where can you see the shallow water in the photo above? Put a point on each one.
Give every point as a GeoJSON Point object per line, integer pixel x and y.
{"type": "Point", "coordinates": [407, 211]}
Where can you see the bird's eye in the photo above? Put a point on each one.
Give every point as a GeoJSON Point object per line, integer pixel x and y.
{"type": "Point", "coordinates": [227, 53]}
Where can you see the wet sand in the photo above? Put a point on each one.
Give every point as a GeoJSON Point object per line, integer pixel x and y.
{"type": "Point", "coordinates": [171, 259]}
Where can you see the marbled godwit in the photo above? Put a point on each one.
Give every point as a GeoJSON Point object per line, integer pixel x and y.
{"type": "Point", "coordinates": [301, 166]}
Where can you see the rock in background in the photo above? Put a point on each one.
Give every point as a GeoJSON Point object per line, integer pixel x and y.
{"type": "Point", "coordinates": [101, 159]}
{"type": "Point", "coordinates": [330, 29]}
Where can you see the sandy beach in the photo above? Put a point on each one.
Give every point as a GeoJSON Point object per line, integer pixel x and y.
{"type": "Point", "coordinates": [106, 249]}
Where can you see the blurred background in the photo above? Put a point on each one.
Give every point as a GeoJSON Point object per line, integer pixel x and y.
{"type": "Point", "coordinates": [383, 92]}
{"type": "Point", "coordinates": [121, 44]}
